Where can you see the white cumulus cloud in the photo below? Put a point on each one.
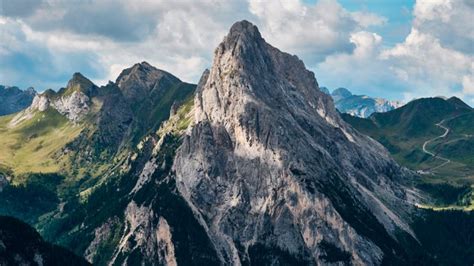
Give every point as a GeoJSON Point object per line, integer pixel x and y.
{"type": "Point", "coordinates": [435, 58]}
{"type": "Point", "coordinates": [45, 42]}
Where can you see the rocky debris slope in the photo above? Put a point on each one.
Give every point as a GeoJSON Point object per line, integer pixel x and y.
{"type": "Point", "coordinates": [13, 100]}
{"type": "Point", "coordinates": [273, 173]}
{"type": "Point", "coordinates": [361, 105]}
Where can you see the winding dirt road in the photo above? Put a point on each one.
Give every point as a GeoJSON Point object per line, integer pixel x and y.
{"type": "Point", "coordinates": [445, 160]}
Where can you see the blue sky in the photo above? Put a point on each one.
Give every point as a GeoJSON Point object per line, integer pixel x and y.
{"type": "Point", "coordinates": [398, 49]}
{"type": "Point", "coordinates": [397, 12]}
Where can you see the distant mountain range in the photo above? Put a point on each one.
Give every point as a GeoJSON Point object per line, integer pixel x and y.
{"type": "Point", "coordinates": [252, 166]}
{"type": "Point", "coordinates": [13, 99]}
{"type": "Point", "coordinates": [360, 105]}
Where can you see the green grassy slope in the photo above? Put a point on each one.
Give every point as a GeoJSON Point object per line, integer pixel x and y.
{"type": "Point", "coordinates": [403, 132]}
{"type": "Point", "coordinates": [31, 145]}
{"type": "Point", "coordinates": [51, 190]}
{"type": "Point", "coordinates": [149, 116]}
{"type": "Point", "coordinates": [107, 201]}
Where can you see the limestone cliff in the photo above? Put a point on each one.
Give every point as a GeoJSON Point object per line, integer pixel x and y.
{"type": "Point", "coordinates": [273, 172]}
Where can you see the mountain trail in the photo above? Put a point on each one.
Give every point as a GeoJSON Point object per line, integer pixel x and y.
{"type": "Point", "coordinates": [445, 160]}
{"type": "Point", "coordinates": [446, 132]}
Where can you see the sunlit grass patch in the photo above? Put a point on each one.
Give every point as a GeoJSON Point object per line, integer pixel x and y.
{"type": "Point", "coordinates": [31, 145]}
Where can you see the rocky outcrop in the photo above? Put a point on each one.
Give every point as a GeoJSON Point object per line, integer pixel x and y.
{"type": "Point", "coordinates": [273, 173]}
{"type": "Point", "coordinates": [13, 100]}
{"type": "Point", "coordinates": [74, 101]}
{"type": "Point", "coordinates": [74, 106]}
{"type": "Point", "coordinates": [153, 241]}
{"type": "Point", "coordinates": [40, 103]}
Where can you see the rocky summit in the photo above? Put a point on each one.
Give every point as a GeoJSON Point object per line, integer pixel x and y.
{"type": "Point", "coordinates": [272, 171]}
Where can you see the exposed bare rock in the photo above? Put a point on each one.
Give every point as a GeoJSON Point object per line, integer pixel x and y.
{"type": "Point", "coordinates": [101, 235]}
{"type": "Point", "coordinates": [73, 106]}
{"type": "Point", "coordinates": [151, 239]}
{"type": "Point", "coordinates": [273, 170]}
{"type": "Point", "coordinates": [40, 103]}
{"type": "Point", "coordinates": [74, 101]}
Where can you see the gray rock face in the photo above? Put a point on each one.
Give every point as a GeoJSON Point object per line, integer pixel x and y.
{"type": "Point", "coordinates": [273, 172]}
{"type": "Point", "coordinates": [361, 105]}
{"type": "Point", "coordinates": [13, 100]}
{"type": "Point", "coordinates": [74, 101]}
{"type": "Point", "coordinates": [40, 103]}
{"type": "Point", "coordinates": [73, 106]}
{"type": "Point", "coordinates": [152, 240]}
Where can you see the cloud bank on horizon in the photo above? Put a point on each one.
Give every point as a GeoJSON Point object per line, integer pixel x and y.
{"type": "Point", "coordinates": [399, 50]}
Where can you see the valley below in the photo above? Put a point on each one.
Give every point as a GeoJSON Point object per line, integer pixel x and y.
{"type": "Point", "coordinates": [440, 152]}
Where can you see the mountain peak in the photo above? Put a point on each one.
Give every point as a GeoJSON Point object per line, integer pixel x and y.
{"type": "Point", "coordinates": [143, 67]}
{"type": "Point", "coordinates": [78, 77]}
{"type": "Point", "coordinates": [142, 71]}
{"type": "Point", "coordinates": [262, 128]}
{"type": "Point", "coordinates": [139, 80]}
{"type": "Point", "coordinates": [145, 63]}
{"type": "Point", "coordinates": [243, 39]}
{"type": "Point", "coordinates": [361, 105]}
{"type": "Point", "coordinates": [343, 92]}
{"type": "Point", "coordinates": [260, 71]}
{"type": "Point", "coordinates": [78, 81]}
{"type": "Point", "coordinates": [244, 27]}
{"type": "Point", "coordinates": [458, 103]}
